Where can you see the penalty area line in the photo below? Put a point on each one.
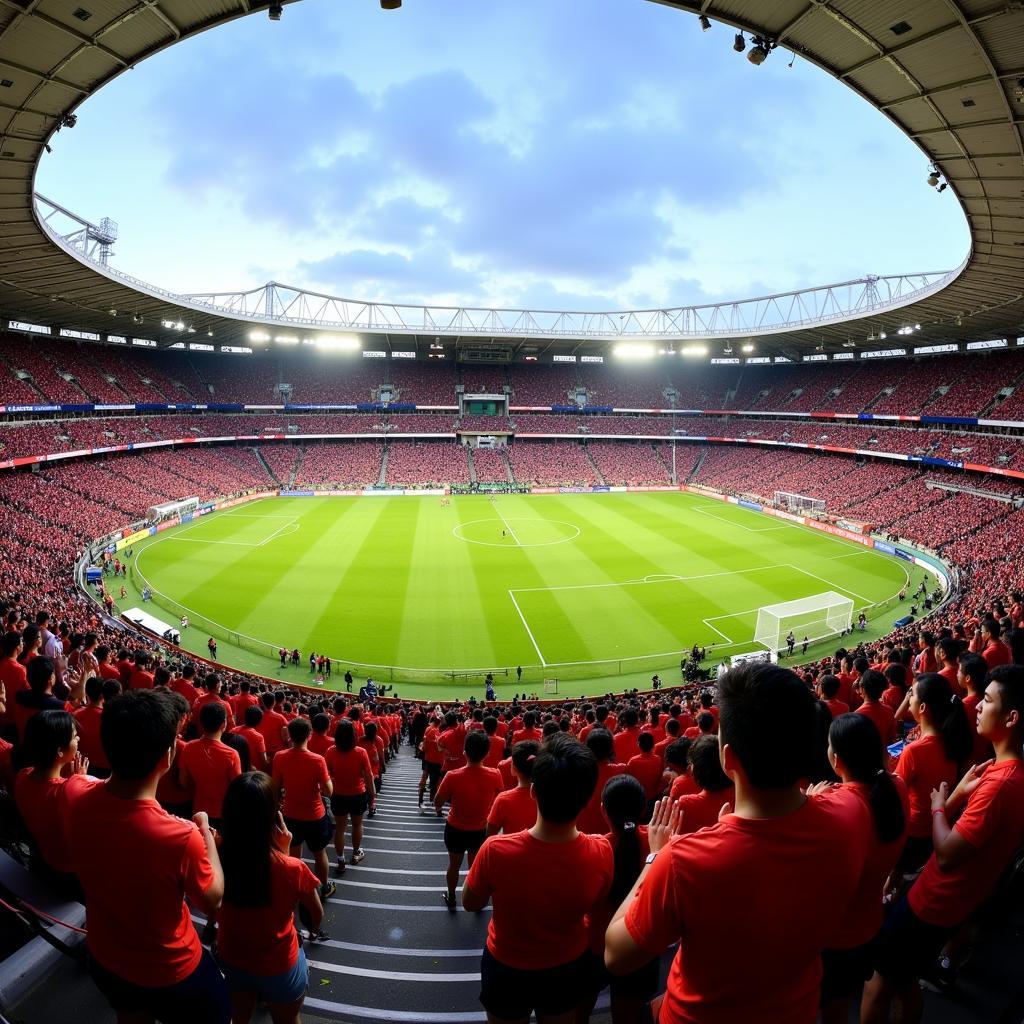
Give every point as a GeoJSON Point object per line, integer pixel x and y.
{"type": "Point", "coordinates": [529, 632]}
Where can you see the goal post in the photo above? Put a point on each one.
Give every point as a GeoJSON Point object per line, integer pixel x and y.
{"type": "Point", "coordinates": [798, 502]}
{"type": "Point", "coordinates": [551, 686]}
{"type": "Point", "coordinates": [816, 618]}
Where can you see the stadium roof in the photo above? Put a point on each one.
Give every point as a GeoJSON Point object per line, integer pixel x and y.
{"type": "Point", "coordinates": [949, 74]}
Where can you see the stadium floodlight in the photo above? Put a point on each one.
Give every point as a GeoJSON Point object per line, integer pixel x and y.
{"type": "Point", "coordinates": [758, 54]}
{"type": "Point", "coordinates": [739, 44]}
{"type": "Point", "coordinates": [705, 24]}
{"type": "Point", "coordinates": [259, 336]}
{"type": "Point", "coordinates": [390, 5]}
{"type": "Point", "coordinates": [633, 350]}
{"type": "Point", "coordinates": [817, 618]}
{"type": "Point", "coordinates": [933, 177]}
{"type": "Point", "coordinates": [694, 350]}
{"type": "Point", "coordinates": [274, 12]}
{"type": "Point", "coordinates": [286, 339]}
{"type": "Point", "coordinates": [337, 342]}
{"type": "Point", "coordinates": [748, 347]}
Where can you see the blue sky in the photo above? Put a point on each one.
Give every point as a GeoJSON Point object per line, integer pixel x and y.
{"type": "Point", "coordinates": [554, 154]}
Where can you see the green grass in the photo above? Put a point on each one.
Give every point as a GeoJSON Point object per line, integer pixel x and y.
{"type": "Point", "coordinates": [599, 590]}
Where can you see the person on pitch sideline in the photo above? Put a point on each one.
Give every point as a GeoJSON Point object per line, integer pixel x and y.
{"type": "Point", "coordinates": [857, 756]}
{"type": "Point", "coordinates": [257, 943]}
{"type": "Point", "coordinates": [515, 810]}
{"type": "Point", "coordinates": [303, 777]}
{"type": "Point", "coordinates": [537, 957]}
{"type": "Point", "coordinates": [968, 860]}
{"type": "Point", "coordinates": [737, 892]}
{"type": "Point", "coordinates": [144, 953]}
{"type": "Point", "coordinates": [348, 764]}
{"type": "Point", "coordinates": [470, 791]}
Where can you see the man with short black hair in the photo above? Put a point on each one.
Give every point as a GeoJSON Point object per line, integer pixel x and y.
{"type": "Point", "coordinates": [207, 765]}
{"type": "Point", "coordinates": [145, 955]}
{"type": "Point", "coordinates": [736, 893]}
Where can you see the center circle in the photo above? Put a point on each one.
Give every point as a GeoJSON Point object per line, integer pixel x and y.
{"type": "Point", "coordinates": [516, 531]}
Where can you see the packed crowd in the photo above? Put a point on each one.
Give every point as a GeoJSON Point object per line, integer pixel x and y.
{"type": "Point", "coordinates": [606, 834]}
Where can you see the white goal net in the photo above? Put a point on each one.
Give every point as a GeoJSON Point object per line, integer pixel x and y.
{"type": "Point", "coordinates": [813, 618]}
{"type": "Point", "coordinates": [797, 502]}
{"type": "Point", "coordinates": [551, 686]}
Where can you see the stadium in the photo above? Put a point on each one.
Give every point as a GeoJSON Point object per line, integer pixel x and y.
{"type": "Point", "coordinates": [691, 548]}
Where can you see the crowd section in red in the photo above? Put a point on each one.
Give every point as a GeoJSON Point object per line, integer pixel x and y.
{"type": "Point", "coordinates": [35, 370]}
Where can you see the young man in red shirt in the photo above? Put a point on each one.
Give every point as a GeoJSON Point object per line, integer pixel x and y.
{"type": "Point", "coordinates": [304, 778]}
{"type": "Point", "coordinates": [250, 732]}
{"type": "Point", "coordinates": [136, 864]}
{"type": "Point", "coordinates": [433, 758]}
{"type": "Point", "coordinates": [529, 732]}
{"type": "Point", "coordinates": [183, 684]}
{"type": "Point", "coordinates": [626, 741]}
{"type": "Point", "coordinates": [141, 677]}
{"type": "Point", "coordinates": [497, 751]}
{"type": "Point", "coordinates": [272, 727]}
{"type": "Point", "coordinates": [738, 892]}
{"type": "Point", "coordinates": [211, 695]}
{"type": "Point", "coordinates": [207, 766]}
{"type": "Point", "coordinates": [969, 857]}
{"type": "Point", "coordinates": [646, 767]}
{"type": "Point", "coordinates": [470, 790]}
{"type": "Point", "coordinates": [599, 743]}
{"type": "Point", "coordinates": [88, 719]}
{"type": "Point", "coordinates": [828, 687]}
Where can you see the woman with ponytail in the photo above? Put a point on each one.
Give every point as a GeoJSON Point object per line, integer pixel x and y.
{"type": "Point", "coordinates": [937, 756]}
{"type": "Point", "coordinates": [624, 805]}
{"type": "Point", "coordinates": [857, 756]}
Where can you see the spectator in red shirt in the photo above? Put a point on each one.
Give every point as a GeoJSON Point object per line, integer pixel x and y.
{"type": "Point", "coordinates": [250, 732]}
{"type": "Point", "coordinates": [515, 810]}
{"type": "Point", "coordinates": [184, 686]}
{"type": "Point", "coordinates": [968, 860]}
{"type": "Point", "coordinates": [302, 775]}
{"type": "Point", "coordinates": [857, 756]}
{"type": "Point", "coordinates": [971, 673]}
{"type": "Point", "coordinates": [140, 677]}
{"type": "Point", "coordinates": [933, 759]}
{"type": "Point", "coordinates": [646, 766]}
{"type": "Point", "coordinates": [207, 766]}
{"type": "Point", "coordinates": [145, 955]}
{"type": "Point", "coordinates": [211, 695]}
{"type": "Point", "coordinates": [319, 741]}
{"type": "Point", "coordinates": [257, 941]}
{"type": "Point", "coordinates": [470, 791]}
{"type": "Point", "coordinates": [828, 687]}
{"type": "Point", "coordinates": [272, 727]}
{"type": "Point", "coordinates": [872, 686]}
{"type": "Point", "coordinates": [88, 721]}
{"type": "Point", "coordinates": [947, 653]}
{"type": "Point", "coordinates": [601, 745]}
{"type": "Point", "coordinates": [537, 956]}
{"type": "Point", "coordinates": [348, 765]}
{"type": "Point", "coordinates": [702, 809]}
{"type": "Point", "coordinates": [497, 751]}
{"type": "Point", "coordinates": [242, 700]}
{"type": "Point", "coordinates": [626, 741]}
{"type": "Point", "coordinates": [705, 727]}
{"type": "Point", "coordinates": [433, 758]}
{"type": "Point", "coordinates": [452, 743]}
{"type": "Point", "coordinates": [737, 892]}
{"type": "Point", "coordinates": [988, 644]}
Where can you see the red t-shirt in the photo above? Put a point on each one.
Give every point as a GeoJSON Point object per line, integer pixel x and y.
{"type": "Point", "coordinates": [591, 819]}
{"type": "Point", "coordinates": [256, 743]}
{"type": "Point", "coordinates": [684, 785]}
{"type": "Point", "coordinates": [739, 893]}
{"type": "Point", "coordinates": [431, 752]}
{"type": "Point", "coordinates": [319, 743]}
{"type": "Point", "coordinates": [453, 745]}
{"type": "Point", "coordinates": [996, 653]}
{"type": "Point", "coordinates": [262, 940]}
{"type": "Point", "coordinates": [125, 849]}
{"type": "Point", "coordinates": [212, 698]}
{"type": "Point", "coordinates": [923, 765]}
{"type": "Point", "coordinates": [701, 810]}
{"type": "Point", "coordinates": [169, 789]}
{"type": "Point", "coordinates": [304, 777]}
{"type": "Point", "coordinates": [88, 719]}
{"type": "Point", "coordinates": [211, 765]}
{"type": "Point", "coordinates": [837, 707]}
{"type": "Point", "coordinates": [545, 923]}
{"type": "Point", "coordinates": [602, 915]}
{"type": "Point", "coordinates": [496, 753]}
{"type": "Point", "coordinates": [140, 679]}
{"type": "Point", "coordinates": [240, 702]}
{"type": "Point", "coordinates": [522, 735]}
{"type": "Point", "coordinates": [270, 729]}
{"type": "Point", "coordinates": [863, 919]}
{"type": "Point", "coordinates": [647, 769]}
{"type": "Point", "coordinates": [374, 751]}
{"type": "Point", "coordinates": [182, 687]}
{"type": "Point", "coordinates": [42, 804]}
{"type": "Point", "coordinates": [982, 749]}
{"type": "Point", "coordinates": [513, 810]}
{"type": "Point", "coordinates": [348, 771]}
{"type": "Point", "coordinates": [883, 718]}
{"type": "Point", "coordinates": [626, 744]}
{"type": "Point", "coordinates": [470, 791]}
{"type": "Point", "coordinates": [993, 824]}
{"type": "Point", "coordinates": [507, 773]}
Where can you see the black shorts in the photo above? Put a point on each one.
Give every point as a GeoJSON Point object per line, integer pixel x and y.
{"type": "Point", "coordinates": [907, 947]}
{"type": "Point", "coordinates": [457, 840]}
{"type": "Point", "coordinates": [201, 998]}
{"type": "Point", "coordinates": [916, 852]}
{"type": "Point", "coordinates": [351, 805]}
{"type": "Point", "coordinates": [433, 769]}
{"type": "Point", "coordinates": [376, 784]}
{"type": "Point", "coordinates": [315, 834]}
{"type": "Point", "coordinates": [639, 984]}
{"type": "Point", "coordinates": [845, 970]}
{"type": "Point", "coordinates": [512, 994]}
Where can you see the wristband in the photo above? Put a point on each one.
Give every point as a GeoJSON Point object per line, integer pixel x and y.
{"type": "Point", "coordinates": [939, 810]}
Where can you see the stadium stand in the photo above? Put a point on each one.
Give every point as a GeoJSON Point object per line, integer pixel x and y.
{"type": "Point", "coordinates": [631, 465]}
{"type": "Point", "coordinates": [543, 384]}
{"type": "Point", "coordinates": [552, 465]}
{"type": "Point", "coordinates": [352, 464]}
{"type": "Point", "coordinates": [490, 465]}
{"type": "Point", "coordinates": [426, 464]}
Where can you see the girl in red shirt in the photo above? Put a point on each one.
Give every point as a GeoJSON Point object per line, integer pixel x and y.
{"type": "Point", "coordinates": [515, 810]}
{"type": "Point", "coordinates": [352, 778]}
{"type": "Point", "coordinates": [857, 756]}
{"type": "Point", "coordinates": [259, 948]}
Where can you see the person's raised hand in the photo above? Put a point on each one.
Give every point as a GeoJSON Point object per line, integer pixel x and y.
{"type": "Point", "coordinates": [282, 837]}
{"type": "Point", "coordinates": [972, 777]}
{"type": "Point", "coordinates": [665, 823]}
{"type": "Point", "coordinates": [939, 797]}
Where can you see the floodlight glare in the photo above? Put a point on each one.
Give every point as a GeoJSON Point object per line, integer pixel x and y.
{"type": "Point", "coordinates": [286, 339]}
{"type": "Point", "coordinates": [634, 350]}
{"type": "Point", "coordinates": [694, 350]}
{"type": "Point", "coordinates": [337, 342]}
{"type": "Point", "coordinates": [748, 347]}
{"type": "Point", "coordinates": [259, 336]}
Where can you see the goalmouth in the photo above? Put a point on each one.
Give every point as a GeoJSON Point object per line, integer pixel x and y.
{"type": "Point", "coordinates": [814, 618]}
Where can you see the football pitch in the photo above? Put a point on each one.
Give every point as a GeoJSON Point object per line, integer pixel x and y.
{"type": "Point", "coordinates": [580, 587]}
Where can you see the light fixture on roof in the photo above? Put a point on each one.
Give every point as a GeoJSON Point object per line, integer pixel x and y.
{"type": "Point", "coordinates": [748, 348]}
{"type": "Point", "coordinates": [69, 121]}
{"type": "Point", "coordinates": [705, 24]}
{"type": "Point", "coordinates": [933, 177]}
{"type": "Point", "coordinates": [390, 5]}
{"type": "Point", "coordinates": [136, 318]}
{"type": "Point", "coordinates": [112, 311]}
{"type": "Point", "coordinates": [759, 51]}
{"type": "Point", "coordinates": [883, 335]}
{"type": "Point", "coordinates": [849, 343]}
{"type": "Point", "coordinates": [739, 44]}
{"type": "Point", "coordinates": [959, 321]}
{"type": "Point", "coordinates": [727, 351]}
{"type": "Point", "coordinates": [633, 350]}
{"type": "Point", "coordinates": [274, 12]}
{"type": "Point", "coordinates": [1018, 92]}
{"type": "Point", "coordinates": [337, 342]}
